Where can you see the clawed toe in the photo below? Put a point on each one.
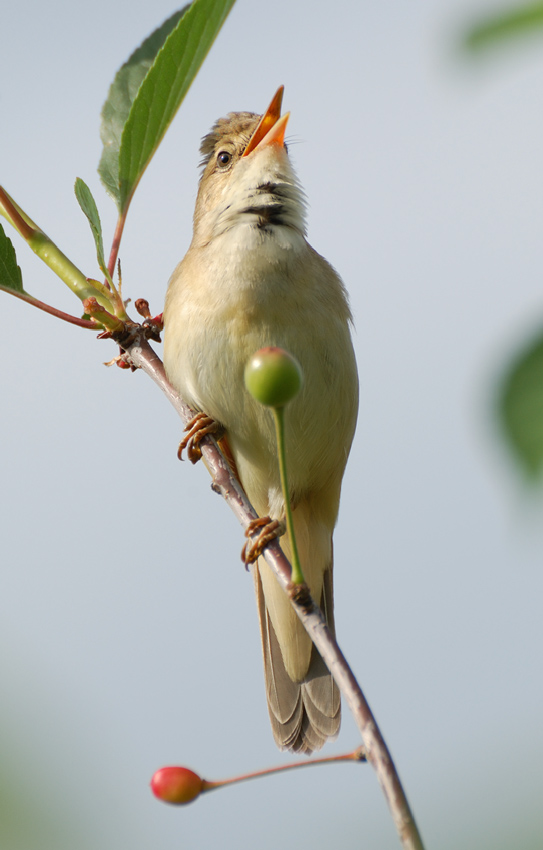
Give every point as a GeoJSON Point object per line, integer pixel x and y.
{"type": "Point", "coordinates": [197, 428]}
{"type": "Point", "coordinates": [269, 529]}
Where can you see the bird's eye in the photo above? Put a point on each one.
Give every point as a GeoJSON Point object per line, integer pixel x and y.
{"type": "Point", "coordinates": [224, 158]}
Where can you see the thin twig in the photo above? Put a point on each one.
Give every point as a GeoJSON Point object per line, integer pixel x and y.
{"type": "Point", "coordinates": [53, 311]}
{"type": "Point", "coordinates": [224, 482]}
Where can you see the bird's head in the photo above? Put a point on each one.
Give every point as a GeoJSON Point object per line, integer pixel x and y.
{"type": "Point", "coordinates": [248, 179]}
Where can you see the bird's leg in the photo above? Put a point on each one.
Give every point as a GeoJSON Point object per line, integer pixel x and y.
{"type": "Point", "coordinates": [197, 428]}
{"type": "Point", "coordinates": [269, 529]}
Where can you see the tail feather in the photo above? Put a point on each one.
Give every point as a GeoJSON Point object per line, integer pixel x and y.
{"type": "Point", "coordinates": [303, 715]}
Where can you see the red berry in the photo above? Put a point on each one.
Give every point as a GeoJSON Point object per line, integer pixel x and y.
{"type": "Point", "coordinates": [176, 785]}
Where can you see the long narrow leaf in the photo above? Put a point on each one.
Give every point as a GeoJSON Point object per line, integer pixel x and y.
{"type": "Point", "coordinates": [88, 205]}
{"type": "Point", "coordinates": [10, 273]}
{"type": "Point", "coordinates": [164, 88]}
{"type": "Point", "coordinates": [122, 93]}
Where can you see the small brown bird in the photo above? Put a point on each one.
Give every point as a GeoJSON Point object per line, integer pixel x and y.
{"type": "Point", "coordinates": [250, 279]}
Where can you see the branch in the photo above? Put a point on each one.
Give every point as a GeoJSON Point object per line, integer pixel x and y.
{"type": "Point", "coordinates": [225, 483]}
{"type": "Point", "coordinates": [58, 262]}
{"type": "Point", "coordinates": [53, 311]}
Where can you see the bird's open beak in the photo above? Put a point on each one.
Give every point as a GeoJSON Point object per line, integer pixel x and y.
{"type": "Point", "coordinates": [271, 127]}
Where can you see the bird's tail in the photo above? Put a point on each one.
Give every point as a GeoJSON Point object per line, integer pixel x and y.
{"type": "Point", "coordinates": [303, 699]}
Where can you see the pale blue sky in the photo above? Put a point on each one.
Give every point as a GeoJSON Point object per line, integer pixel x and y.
{"type": "Point", "coordinates": [128, 629]}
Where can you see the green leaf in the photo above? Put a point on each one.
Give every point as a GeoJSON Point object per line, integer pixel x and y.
{"type": "Point", "coordinates": [88, 205]}
{"type": "Point", "coordinates": [122, 93]}
{"type": "Point", "coordinates": [521, 407]}
{"type": "Point", "coordinates": [164, 88]}
{"type": "Point", "coordinates": [10, 273]}
{"type": "Point", "coordinates": [513, 22]}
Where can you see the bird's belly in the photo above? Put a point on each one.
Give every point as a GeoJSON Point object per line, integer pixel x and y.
{"type": "Point", "coordinates": [223, 326]}
{"type": "Point", "coordinates": [213, 381]}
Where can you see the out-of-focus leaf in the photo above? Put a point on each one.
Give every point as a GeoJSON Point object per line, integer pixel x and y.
{"type": "Point", "coordinates": [10, 273]}
{"type": "Point", "coordinates": [513, 22]}
{"type": "Point", "coordinates": [122, 93]}
{"type": "Point", "coordinates": [88, 205]}
{"type": "Point", "coordinates": [164, 88]}
{"type": "Point", "coordinates": [521, 407]}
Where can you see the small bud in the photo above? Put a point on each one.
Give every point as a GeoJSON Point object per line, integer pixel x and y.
{"type": "Point", "coordinates": [142, 306]}
{"type": "Point", "coordinates": [177, 785]}
{"type": "Point", "coordinates": [122, 364]}
{"type": "Point", "coordinates": [273, 376]}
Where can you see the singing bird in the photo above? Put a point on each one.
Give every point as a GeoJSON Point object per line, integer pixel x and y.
{"type": "Point", "coordinates": [250, 279]}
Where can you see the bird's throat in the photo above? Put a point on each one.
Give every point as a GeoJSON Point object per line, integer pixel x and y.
{"type": "Point", "coordinates": [261, 195]}
{"type": "Point", "coordinates": [268, 207]}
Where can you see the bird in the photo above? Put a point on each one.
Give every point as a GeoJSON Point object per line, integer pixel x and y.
{"type": "Point", "coordinates": [250, 279]}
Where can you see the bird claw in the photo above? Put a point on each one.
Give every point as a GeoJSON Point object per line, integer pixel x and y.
{"type": "Point", "coordinates": [269, 529]}
{"type": "Point", "coordinates": [197, 428]}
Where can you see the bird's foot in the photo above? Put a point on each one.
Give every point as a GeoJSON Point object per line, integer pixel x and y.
{"type": "Point", "coordinates": [197, 428]}
{"type": "Point", "coordinates": [269, 529]}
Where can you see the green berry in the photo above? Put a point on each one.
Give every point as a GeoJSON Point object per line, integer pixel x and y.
{"type": "Point", "coordinates": [273, 376]}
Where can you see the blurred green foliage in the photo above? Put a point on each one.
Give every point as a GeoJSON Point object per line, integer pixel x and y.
{"type": "Point", "coordinates": [520, 401]}
{"type": "Point", "coordinates": [504, 25]}
{"type": "Point", "coordinates": [520, 407]}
